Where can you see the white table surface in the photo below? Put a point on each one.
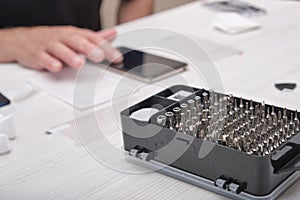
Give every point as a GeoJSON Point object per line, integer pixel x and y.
{"type": "Point", "coordinates": [56, 166]}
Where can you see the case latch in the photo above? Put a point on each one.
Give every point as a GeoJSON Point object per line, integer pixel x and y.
{"type": "Point", "coordinates": [142, 153]}
{"type": "Point", "coordinates": [230, 184]}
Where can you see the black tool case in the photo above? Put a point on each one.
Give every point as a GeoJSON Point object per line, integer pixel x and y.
{"type": "Point", "coordinates": [228, 169]}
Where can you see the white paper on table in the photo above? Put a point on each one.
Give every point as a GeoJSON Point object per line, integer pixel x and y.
{"type": "Point", "coordinates": [214, 50]}
{"type": "Point", "coordinates": [234, 23]}
{"type": "Point", "coordinates": [93, 86]}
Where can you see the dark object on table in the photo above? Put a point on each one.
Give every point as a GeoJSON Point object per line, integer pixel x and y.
{"type": "Point", "coordinates": [3, 100]}
{"type": "Point", "coordinates": [284, 86]}
{"type": "Point", "coordinates": [236, 6]}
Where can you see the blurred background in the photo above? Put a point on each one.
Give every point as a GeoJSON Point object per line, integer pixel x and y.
{"type": "Point", "coordinates": [109, 9]}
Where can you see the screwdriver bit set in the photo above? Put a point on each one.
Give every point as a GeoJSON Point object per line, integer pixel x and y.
{"type": "Point", "coordinates": [245, 149]}
{"type": "Point", "coordinates": [233, 123]}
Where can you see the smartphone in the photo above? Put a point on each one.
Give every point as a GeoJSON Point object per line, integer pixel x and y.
{"type": "Point", "coordinates": [144, 66]}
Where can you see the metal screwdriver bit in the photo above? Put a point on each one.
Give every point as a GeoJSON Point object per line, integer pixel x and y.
{"type": "Point", "coordinates": [205, 99]}
{"type": "Point", "coordinates": [247, 108]}
{"type": "Point", "coordinates": [188, 125]}
{"type": "Point", "coordinates": [268, 113]}
{"type": "Point", "coordinates": [216, 99]}
{"type": "Point", "coordinates": [276, 140]}
{"type": "Point", "coordinates": [212, 96]}
{"type": "Point", "coordinates": [183, 107]}
{"type": "Point", "coordinates": [194, 112]}
{"type": "Point", "coordinates": [257, 112]}
{"type": "Point", "coordinates": [241, 106]}
{"type": "Point", "coordinates": [169, 120]}
{"type": "Point", "coordinates": [161, 120]}
{"type": "Point", "coordinates": [263, 108]}
{"type": "Point", "coordinates": [270, 143]}
{"type": "Point", "coordinates": [296, 121]}
{"type": "Point", "coordinates": [177, 116]}
{"type": "Point", "coordinates": [231, 99]}
{"type": "Point", "coordinates": [270, 123]}
{"type": "Point", "coordinates": [199, 116]}
{"type": "Point", "coordinates": [177, 112]}
{"type": "Point", "coordinates": [273, 112]}
{"type": "Point", "coordinates": [191, 104]}
{"type": "Point", "coordinates": [246, 126]}
{"type": "Point", "coordinates": [265, 148]}
{"type": "Point", "coordinates": [182, 118]}
{"type": "Point", "coordinates": [284, 117]}
{"type": "Point", "coordinates": [198, 103]}
{"type": "Point", "coordinates": [287, 132]}
{"type": "Point", "coordinates": [255, 151]}
{"type": "Point", "coordinates": [282, 135]}
{"type": "Point", "coordinates": [182, 123]}
{"type": "Point", "coordinates": [189, 115]}
{"type": "Point", "coordinates": [181, 128]}
{"type": "Point", "coordinates": [291, 125]}
{"type": "Point", "coordinates": [236, 108]}
{"type": "Point", "coordinates": [275, 119]}
{"type": "Point", "coordinates": [251, 108]}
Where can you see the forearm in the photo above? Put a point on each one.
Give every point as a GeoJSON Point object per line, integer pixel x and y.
{"type": "Point", "coordinates": [134, 9]}
{"type": "Point", "coordinates": [6, 45]}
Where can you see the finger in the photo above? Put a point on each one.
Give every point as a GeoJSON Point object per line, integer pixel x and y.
{"type": "Point", "coordinates": [111, 53]}
{"type": "Point", "coordinates": [108, 34]}
{"type": "Point", "coordinates": [50, 63]}
{"type": "Point", "coordinates": [101, 40]}
{"type": "Point", "coordinates": [65, 54]}
{"type": "Point", "coordinates": [85, 47]}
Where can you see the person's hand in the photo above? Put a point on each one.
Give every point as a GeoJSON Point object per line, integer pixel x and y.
{"type": "Point", "coordinates": [51, 47]}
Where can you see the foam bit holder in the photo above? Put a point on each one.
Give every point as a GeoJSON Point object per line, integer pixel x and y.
{"type": "Point", "coordinates": [4, 144]}
{"type": "Point", "coordinates": [7, 126]}
{"type": "Point", "coordinates": [6, 118]}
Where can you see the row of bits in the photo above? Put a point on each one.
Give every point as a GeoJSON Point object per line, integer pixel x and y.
{"type": "Point", "coordinates": [235, 123]}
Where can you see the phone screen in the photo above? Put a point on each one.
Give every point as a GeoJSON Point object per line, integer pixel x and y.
{"type": "Point", "coordinates": [146, 65]}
